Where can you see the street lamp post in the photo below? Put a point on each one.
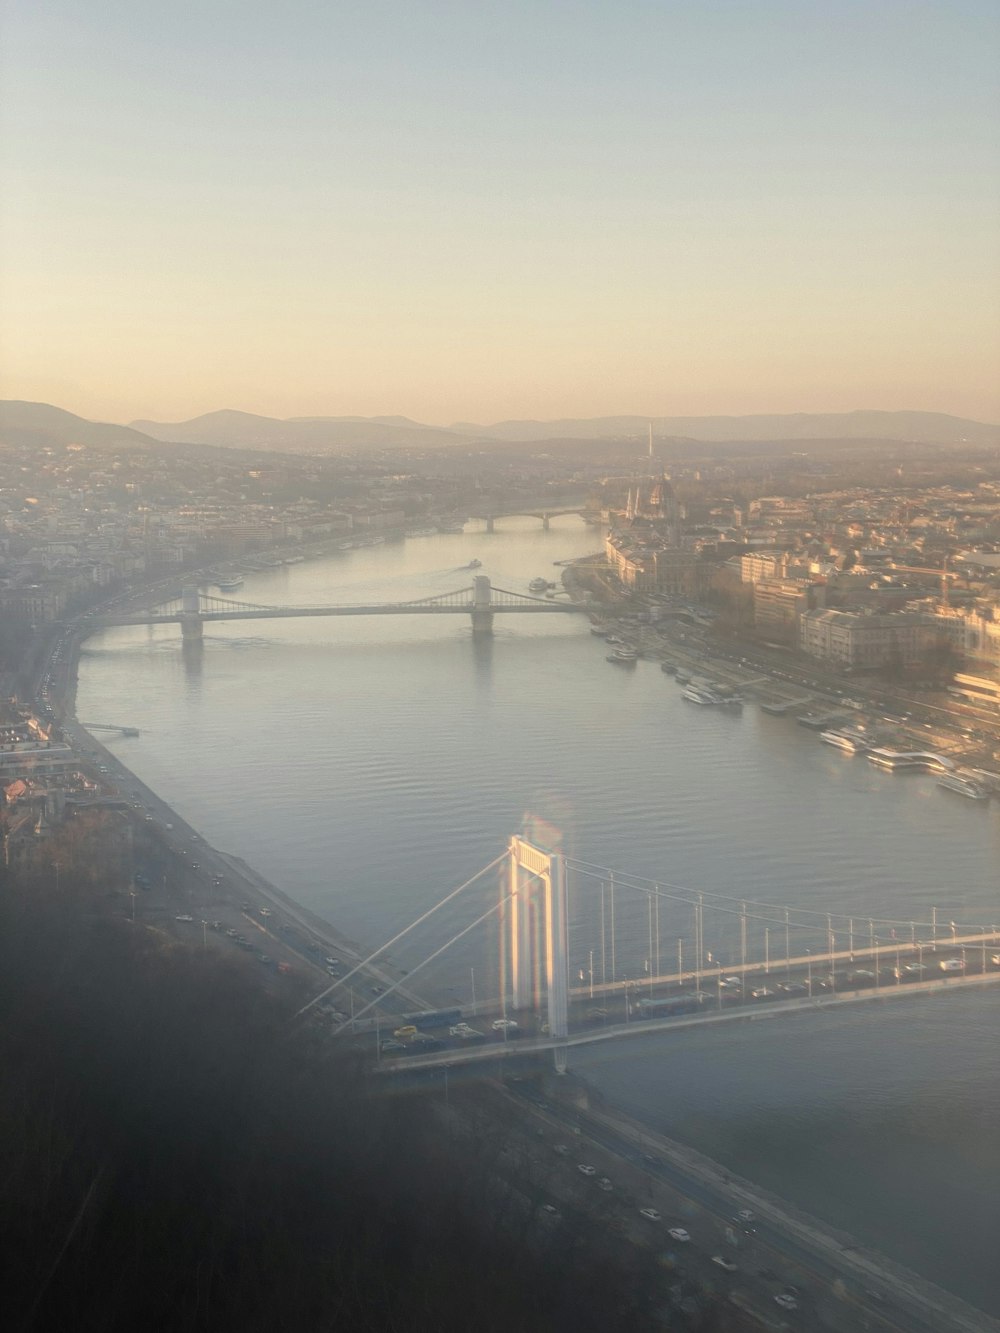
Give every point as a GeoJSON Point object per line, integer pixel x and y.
{"type": "Point", "coordinates": [472, 978]}
{"type": "Point", "coordinates": [767, 952]}
{"type": "Point", "coordinates": [591, 974]}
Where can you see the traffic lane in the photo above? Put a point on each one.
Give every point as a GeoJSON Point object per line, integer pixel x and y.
{"type": "Point", "coordinates": [777, 1242]}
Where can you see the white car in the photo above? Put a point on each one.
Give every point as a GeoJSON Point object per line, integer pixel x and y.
{"type": "Point", "coordinates": [786, 1301]}
{"type": "Point", "coordinates": [605, 1184]}
{"type": "Point", "coordinates": [504, 1024]}
{"type": "Point", "coordinates": [952, 965]}
{"type": "Point", "coordinates": [679, 1234]}
{"type": "Point", "coordinates": [184, 917]}
{"type": "Point", "coordinates": [550, 1210]}
{"type": "Point", "coordinates": [725, 1264]}
{"type": "Point", "coordinates": [459, 1030]}
{"type": "Point", "coordinates": [587, 1170]}
{"type": "Point", "coordinates": [651, 1214]}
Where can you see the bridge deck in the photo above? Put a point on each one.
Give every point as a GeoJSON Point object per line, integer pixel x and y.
{"type": "Point", "coordinates": [291, 612]}
{"type": "Point", "coordinates": [639, 1027]}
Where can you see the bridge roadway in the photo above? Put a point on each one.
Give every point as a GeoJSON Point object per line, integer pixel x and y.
{"type": "Point", "coordinates": [778, 966]}
{"type": "Point", "coordinates": [503, 1050]}
{"type": "Point", "coordinates": [293, 612]}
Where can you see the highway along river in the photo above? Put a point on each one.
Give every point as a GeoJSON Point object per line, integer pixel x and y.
{"type": "Point", "coordinates": [366, 765]}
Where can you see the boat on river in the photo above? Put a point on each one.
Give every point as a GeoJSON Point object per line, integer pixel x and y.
{"type": "Point", "coordinates": [624, 656]}
{"type": "Point", "coordinates": [900, 760]}
{"type": "Point", "coordinates": [230, 583]}
{"type": "Point", "coordinates": [844, 738]}
{"type": "Point", "coordinates": [963, 786]}
{"type": "Point", "coordinates": [699, 694]}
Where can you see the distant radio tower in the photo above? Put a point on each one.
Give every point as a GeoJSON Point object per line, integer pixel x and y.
{"type": "Point", "coordinates": [651, 439]}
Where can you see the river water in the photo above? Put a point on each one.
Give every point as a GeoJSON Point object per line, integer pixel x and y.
{"type": "Point", "coordinates": [367, 765]}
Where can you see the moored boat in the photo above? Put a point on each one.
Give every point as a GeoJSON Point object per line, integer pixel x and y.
{"type": "Point", "coordinates": [846, 739]}
{"type": "Point", "coordinates": [623, 656]}
{"type": "Point", "coordinates": [698, 694]}
{"type": "Point", "coordinates": [963, 786]}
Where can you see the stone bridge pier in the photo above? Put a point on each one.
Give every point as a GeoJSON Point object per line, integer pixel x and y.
{"type": "Point", "coordinates": [482, 608]}
{"type": "Point", "coordinates": [192, 628]}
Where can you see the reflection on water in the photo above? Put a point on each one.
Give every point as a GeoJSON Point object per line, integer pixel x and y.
{"type": "Point", "coordinates": [367, 765]}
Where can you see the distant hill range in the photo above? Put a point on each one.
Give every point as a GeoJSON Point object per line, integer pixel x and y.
{"type": "Point", "coordinates": [307, 435]}
{"type": "Point", "coordinates": [24, 423]}
{"type": "Point", "coordinates": [919, 427]}
{"type": "Point", "coordinates": [319, 434]}
{"type": "Point", "coordinates": [38, 423]}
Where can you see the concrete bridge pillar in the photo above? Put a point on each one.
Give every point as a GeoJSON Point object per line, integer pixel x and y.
{"type": "Point", "coordinates": [482, 606]}
{"type": "Point", "coordinates": [191, 626]}
{"type": "Point", "coordinates": [490, 523]}
{"type": "Point", "coordinates": [534, 872]}
{"type": "Point", "coordinates": [545, 522]}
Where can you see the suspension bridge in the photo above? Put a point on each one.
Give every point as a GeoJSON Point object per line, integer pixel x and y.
{"type": "Point", "coordinates": [573, 953]}
{"type": "Point", "coordinates": [480, 601]}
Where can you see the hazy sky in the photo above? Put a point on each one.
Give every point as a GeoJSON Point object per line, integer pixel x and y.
{"type": "Point", "coordinates": [478, 209]}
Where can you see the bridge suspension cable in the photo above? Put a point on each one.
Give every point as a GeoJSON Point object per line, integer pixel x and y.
{"type": "Point", "coordinates": [719, 902]}
{"type": "Point", "coordinates": [342, 981]}
{"type": "Point", "coordinates": [381, 997]}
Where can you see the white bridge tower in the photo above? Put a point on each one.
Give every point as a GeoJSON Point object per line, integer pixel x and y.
{"type": "Point", "coordinates": [537, 885]}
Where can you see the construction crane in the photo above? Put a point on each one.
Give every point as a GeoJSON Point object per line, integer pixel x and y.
{"type": "Point", "coordinates": [944, 574]}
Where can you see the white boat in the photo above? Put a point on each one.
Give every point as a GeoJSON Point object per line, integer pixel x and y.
{"type": "Point", "coordinates": [851, 741]}
{"type": "Point", "coordinates": [624, 656]}
{"type": "Point", "coordinates": [598, 631]}
{"type": "Point", "coordinates": [963, 786]}
{"type": "Point", "coordinates": [538, 585]}
{"type": "Point", "coordinates": [474, 564]}
{"type": "Point", "coordinates": [910, 759]}
{"type": "Point", "coordinates": [230, 584]}
{"type": "Point", "coordinates": [697, 694]}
